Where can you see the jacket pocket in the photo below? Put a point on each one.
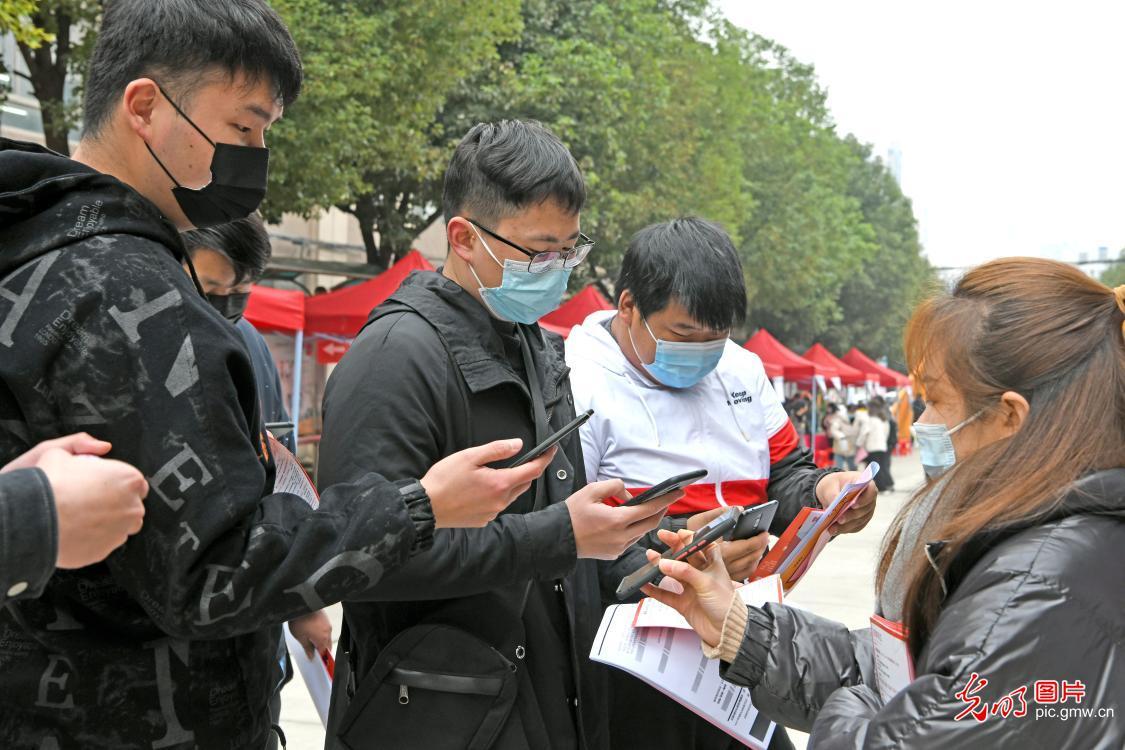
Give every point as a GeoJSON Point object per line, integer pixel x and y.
{"type": "Point", "coordinates": [433, 686]}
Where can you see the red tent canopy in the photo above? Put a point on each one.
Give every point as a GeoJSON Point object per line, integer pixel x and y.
{"type": "Point", "coordinates": [773, 352]}
{"type": "Point", "coordinates": [888, 378]}
{"type": "Point", "coordinates": [772, 370]}
{"type": "Point", "coordinates": [344, 311]}
{"type": "Point", "coordinates": [819, 354]}
{"type": "Point", "coordinates": [575, 310]}
{"type": "Point", "coordinates": [271, 309]}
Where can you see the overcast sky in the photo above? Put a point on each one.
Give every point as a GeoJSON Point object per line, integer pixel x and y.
{"type": "Point", "coordinates": [1009, 116]}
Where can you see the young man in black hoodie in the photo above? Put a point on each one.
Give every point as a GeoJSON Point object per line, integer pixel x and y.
{"type": "Point", "coordinates": [471, 362]}
{"type": "Point", "coordinates": [169, 643]}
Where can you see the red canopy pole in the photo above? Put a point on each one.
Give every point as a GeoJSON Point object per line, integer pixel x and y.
{"type": "Point", "coordinates": [295, 396]}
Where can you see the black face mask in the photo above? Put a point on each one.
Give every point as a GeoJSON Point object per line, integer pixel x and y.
{"type": "Point", "coordinates": [237, 187]}
{"type": "Point", "coordinates": [230, 306]}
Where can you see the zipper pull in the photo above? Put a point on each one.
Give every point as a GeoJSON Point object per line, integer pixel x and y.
{"type": "Point", "coordinates": [403, 695]}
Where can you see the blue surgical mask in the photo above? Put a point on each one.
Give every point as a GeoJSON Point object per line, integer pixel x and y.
{"type": "Point", "coordinates": [935, 446]}
{"type": "Point", "coordinates": [523, 296]}
{"type": "Point", "coordinates": [681, 364]}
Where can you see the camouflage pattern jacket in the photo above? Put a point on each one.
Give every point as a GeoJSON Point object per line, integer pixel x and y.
{"type": "Point", "coordinates": [170, 642]}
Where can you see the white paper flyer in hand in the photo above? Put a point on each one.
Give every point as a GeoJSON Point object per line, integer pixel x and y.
{"type": "Point", "coordinates": [671, 660]}
{"type": "Point", "coordinates": [315, 672]}
{"type": "Point", "coordinates": [290, 476]}
{"type": "Point", "coordinates": [807, 535]}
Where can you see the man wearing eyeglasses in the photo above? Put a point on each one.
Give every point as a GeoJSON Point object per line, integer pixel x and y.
{"type": "Point", "coordinates": [482, 641]}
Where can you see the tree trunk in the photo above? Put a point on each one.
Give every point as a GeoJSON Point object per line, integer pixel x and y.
{"type": "Point", "coordinates": [47, 74]}
{"type": "Point", "coordinates": [365, 213]}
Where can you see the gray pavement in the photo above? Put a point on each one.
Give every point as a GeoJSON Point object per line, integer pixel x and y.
{"type": "Point", "coordinates": [841, 586]}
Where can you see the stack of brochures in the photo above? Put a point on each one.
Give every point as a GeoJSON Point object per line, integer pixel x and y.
{"type": "Point", "coordinates": [655, 644]}
{"type": "Point", "coordinates": [806, 536]}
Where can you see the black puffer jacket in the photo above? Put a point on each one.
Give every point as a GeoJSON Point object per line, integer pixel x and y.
{"type": "Point", "coordinates": [1036, 602]}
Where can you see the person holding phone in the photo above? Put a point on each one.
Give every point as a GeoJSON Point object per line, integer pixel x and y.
{"type": "Point", "coordinates": [171, 641]}
{"type": "Point", "coordinates": [1004, 569]}
{"type": "Point", "coordinates": [452, 358]}
{"type": "Point", "coordinates": [670, 393]}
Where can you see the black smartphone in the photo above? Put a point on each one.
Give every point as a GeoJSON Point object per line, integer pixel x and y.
{"type": "Point", "coordinates": [279, 429]}
{"type": "Point", "coordinates": [543, 447]}
{"type": "Point", "coordinates": [720, 528]}
{"type": "Point", "coordinates": [668, 485]}
{"type": "Point", "coordinates": [754, 520]}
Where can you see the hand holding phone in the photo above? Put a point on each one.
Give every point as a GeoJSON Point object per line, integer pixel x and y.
{"type": "Point", "coordinates": [555, 439]}
{"type": "Point", "coordinates": [754, 520]}
{"type": "Point", "coordinates": [672, 484]}
{"type": "Point", "coordinates": [718, 529]}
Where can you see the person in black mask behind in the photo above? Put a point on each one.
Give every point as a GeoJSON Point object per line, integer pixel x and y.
{"type": "Point", "coordinates": [228, 260]}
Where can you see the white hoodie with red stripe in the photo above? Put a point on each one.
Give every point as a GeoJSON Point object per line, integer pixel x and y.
{"type": "Point", "coordinates": [731, 423]}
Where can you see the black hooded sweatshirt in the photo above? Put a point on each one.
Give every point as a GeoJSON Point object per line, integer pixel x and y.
{"type": "Point", "coordinates": [170, 642]}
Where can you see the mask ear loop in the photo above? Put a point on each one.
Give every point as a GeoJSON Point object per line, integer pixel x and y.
{"type": "Point", "coordinates": [180, 112]}
{"type": "Point", "coordinates": [633, 343]}
{"type": "Point", "coordinates": [488, 250]}
{"type": "Point", "coordinates": [971, 419]}
{"type": "Point", "coordinates": [161, 164]}
{"type": "Point", "coordinates": [194, 275]}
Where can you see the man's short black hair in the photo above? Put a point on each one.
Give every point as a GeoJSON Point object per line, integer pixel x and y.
{"type": "Point", "coordinates": [691, 261]}
{"type": "Point", "coordinates": [179, 42]}
{"type": "Point", "coordinates": [245, 243]}
{"type": "Point", "coordinates": [498, 169]}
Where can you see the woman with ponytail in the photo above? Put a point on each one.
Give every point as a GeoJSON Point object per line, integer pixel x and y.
{"type": "Point", "coordinates": [1006, 570]}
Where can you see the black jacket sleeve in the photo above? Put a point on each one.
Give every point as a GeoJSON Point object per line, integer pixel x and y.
{"type": "Point", "coordinates": [28, 534]}
{"type": "Point", "coordinates": [393, 402]}
{"type": "Point", "coordinates": [792, 484]}
{"type": "Point", "coordinates": [145, 363]}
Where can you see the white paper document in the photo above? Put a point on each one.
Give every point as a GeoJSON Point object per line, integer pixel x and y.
{"type": "Point", "coordinates": [314, 672]}
{"type": "Point", "coordinates": [290, 476]}
{"type": "Point", "coordinates": [894, 668]}
{"type": "Point", "coordinates": [669, 658]}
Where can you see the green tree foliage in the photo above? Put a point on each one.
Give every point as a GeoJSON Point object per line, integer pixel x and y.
{"type": "Point", "coordinates": [670, 110]}
{"type": "Point", "coordinates": [15, 20]}
{"type": "Point", "coordinates": [63, 37]}
{"type": "Point", "coordinates": [15, 17]}
{"type": "Point", "coordinates": [363, 135]}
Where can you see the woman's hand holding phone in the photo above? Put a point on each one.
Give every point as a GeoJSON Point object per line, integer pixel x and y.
{"type": "Point", "coordinates": [707, 587]}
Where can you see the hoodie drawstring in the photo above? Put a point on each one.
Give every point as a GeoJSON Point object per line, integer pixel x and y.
{"type": "Point", "coordinates": [652, 419]}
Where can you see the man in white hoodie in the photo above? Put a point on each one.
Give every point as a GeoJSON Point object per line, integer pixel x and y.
{"type": "Point", "coordinates": [670, 393]}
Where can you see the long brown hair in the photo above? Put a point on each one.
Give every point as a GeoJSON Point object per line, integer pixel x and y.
{"type": "Point", "coordinates": [1050, 333]}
